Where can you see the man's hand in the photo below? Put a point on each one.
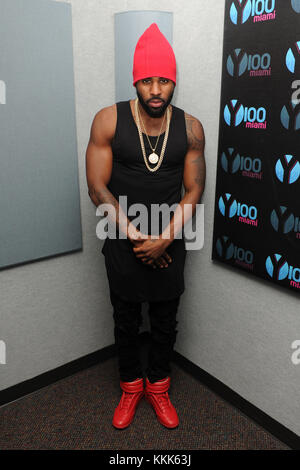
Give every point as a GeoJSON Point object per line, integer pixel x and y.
{"type": "Point", "coordinates": [162, 262]}
{"type": "Point", "coordinates": [152, 251]}
{"type": "Point", "coordinates": [137, 238]}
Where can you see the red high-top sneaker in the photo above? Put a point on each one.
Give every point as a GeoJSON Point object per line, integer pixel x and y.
{"type": "Point", "coordinates": [132, 394]}
{"type": "Point", "coordinates": [157, 395]}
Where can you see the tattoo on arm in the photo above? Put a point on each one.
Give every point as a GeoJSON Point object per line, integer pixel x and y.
{"type": "Point", "coordinates": [199, 171]}
{"type": "Point", "coordinates": [193, 141]}
{"type": "Point", "coordinates": [103, 195]}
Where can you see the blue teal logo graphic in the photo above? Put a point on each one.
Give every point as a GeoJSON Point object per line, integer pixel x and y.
{"type": "Point", "coordinates": [290, 116]}
{"type": "Point", "coordinates": [257, 65]}
{"type": "Point", "coordinates": [227, 205]}
{"type": "Point", "coordinates": [225, 248]}
{"type": "Point", "coordinates": [287, 169]}
{"type": "Point", "coordinates": [277, 267]}
{"type": "Point", "coordinates": [260, 10]}
{"type": "Point", "coordinates": [230, 161]}
{"type": "Point", "coordinates": [292, 59]}
{"type": "Point", "coordinates": [240, 11]}
{"type": "Point", "coordinates": [237, 63]}
{"type": "Point", "coordinates": [234, 113]}
{"type": "Point", "coordinates": [296, 5]}
{"type": "Point", "coordinates": [282, 220]}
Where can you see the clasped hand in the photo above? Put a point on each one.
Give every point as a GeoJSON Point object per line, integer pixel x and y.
{"type": "Point", "coordinates": [152, 251]}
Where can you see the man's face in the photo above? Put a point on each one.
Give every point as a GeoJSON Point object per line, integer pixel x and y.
{"type": "Point", "coordinates": [155, 95]}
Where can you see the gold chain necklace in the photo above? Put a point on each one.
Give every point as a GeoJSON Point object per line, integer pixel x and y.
{"type": "Point", "coordinates": [153, 158]}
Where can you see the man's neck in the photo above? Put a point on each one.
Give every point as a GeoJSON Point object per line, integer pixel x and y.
{"type": "Point", "coordinates": [152, 124]}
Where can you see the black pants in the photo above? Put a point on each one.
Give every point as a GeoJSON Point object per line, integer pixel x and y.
{"type": "Point", "coordinates": [128, 318]}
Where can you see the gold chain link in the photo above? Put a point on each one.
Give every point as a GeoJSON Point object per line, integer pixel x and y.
{"type": "Point", "coordinates": [142, 140]}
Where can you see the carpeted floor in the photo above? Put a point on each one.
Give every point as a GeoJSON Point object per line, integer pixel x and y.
{"type": "Point", "coordinates": [76, 413]}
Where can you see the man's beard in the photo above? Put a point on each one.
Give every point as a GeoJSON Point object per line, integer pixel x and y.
{"type": "Point", "coordinates": [155, 112]}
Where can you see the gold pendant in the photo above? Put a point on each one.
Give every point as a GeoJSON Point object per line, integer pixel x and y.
{"type": "Point", "coordinates": [153, 158]}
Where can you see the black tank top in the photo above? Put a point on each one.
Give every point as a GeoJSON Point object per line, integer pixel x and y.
{"type": "Point", "coordinates": [128, 277]}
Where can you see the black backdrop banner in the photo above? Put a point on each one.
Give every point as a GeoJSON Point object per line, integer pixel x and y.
{"type": "Point", "coordinates": [257, 205]}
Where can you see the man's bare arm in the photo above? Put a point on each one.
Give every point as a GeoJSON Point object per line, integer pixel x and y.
{"type": "Point", "coordinates": [193, 178]}
{"type": "Point", "coordinates": [99, 160]}
{"type": "Point", "coordinates": [195, 167]}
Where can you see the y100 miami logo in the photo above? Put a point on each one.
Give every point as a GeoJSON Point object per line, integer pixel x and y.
{"type": "Point", "coordinates": [227, 251]}
{"type": "Point", "coordinates": [232, 162]}
{"type": "Point", "coordinates": [287, 169]}
{"type": "Point", "coordinates": [278, 269]}
{"type": "Point", "coordinates": [230, 207]}
{"type": "Point", "coordinates": [296, 5]}
{"type": "Point", "coordinates": [290, 116]}
{"type": "Point", "coordinates": [257, 65]}
{"type": "Point", "coordinates": [284, 221]}
{"type": "Point", "coordinates": [259, 10]}
{"type": "Point", "coordinates": [292, 58]}
{"type": "Point", "coordinates": [235, 113]}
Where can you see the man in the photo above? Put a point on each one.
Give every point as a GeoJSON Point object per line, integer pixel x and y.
{"type": "Point", "coordinates": [145, 149]}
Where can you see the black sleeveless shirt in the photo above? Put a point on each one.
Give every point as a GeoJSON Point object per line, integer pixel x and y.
{"type": "Point", "coordinates": [128, 277]}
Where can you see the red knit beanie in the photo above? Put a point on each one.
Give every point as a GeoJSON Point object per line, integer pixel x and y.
{"type": "Point", "coordinates": [153, 56]}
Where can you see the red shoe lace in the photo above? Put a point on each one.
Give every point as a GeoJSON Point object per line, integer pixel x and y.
{"type": "Point", "coordinates": [126, 399]}
{"type": "Point", "coordinates": [163, 400]}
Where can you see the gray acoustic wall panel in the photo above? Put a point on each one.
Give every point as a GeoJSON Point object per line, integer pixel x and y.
{"type": "Point", "coordinates": [39, 188]}
{"type": "Point", "coordinates": [129, 26]}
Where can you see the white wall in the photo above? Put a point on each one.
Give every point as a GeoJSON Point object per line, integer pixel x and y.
{"type": "Point", "coordinates": [236, 327]}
